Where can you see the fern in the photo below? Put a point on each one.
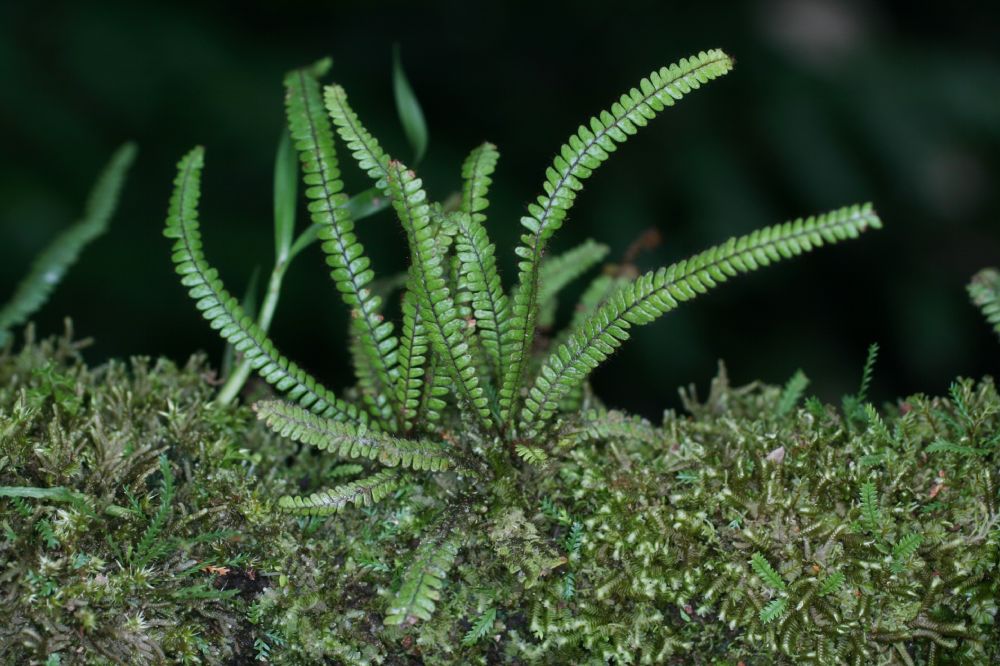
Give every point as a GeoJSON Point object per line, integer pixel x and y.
{"type": "Point", "coordinates": [773, 610]}
{"type": "Point", "coordinates": [422, 583]}
{"type": "Point", "coordinates": [585, 151]}
{"type": "Point", "coordinates": [51, 264]}
{"type": "Point", "coordinates": [480, 628]}
{"type": "Point", "coordinates": [657, 292]}
{"type": "Point", "coordinates": [350, 441]}
{"type": "Point", "coordinates": [559, 271]}
{"type": "Point", "coordinates": [766, 572]}
{"type": "Point", "coordinates": [413, 355]}
{"type": "Point", "coordinates": [151, 546]}
{"type": "Point", "coordinates": [792, 393]}
{"type": "Point", "coordinates": [904, 550]}
{"type": "Point", "coordinates": [313, 139]}
{"type": "Point", "coordinates": [871, 516]}
{"type": "Point", "coordinates": [533, 455]}
{"type": "Point", "coordinates": [363, 492]}
{"type": "Point", "coordinates": [223, 310]}
{"type": "Point", "coordinates": [832, 583]}
{"type": "Point", "coordinates": [984, 290]}
{"type": "Point", "coordinates": [437, 307]}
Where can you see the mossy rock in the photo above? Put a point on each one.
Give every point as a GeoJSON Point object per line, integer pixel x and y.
{"type": "Point", "coordinates": [141, 525]}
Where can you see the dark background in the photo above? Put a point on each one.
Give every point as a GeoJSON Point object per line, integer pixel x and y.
{"type": "Point", "coordinates": [830, 103]}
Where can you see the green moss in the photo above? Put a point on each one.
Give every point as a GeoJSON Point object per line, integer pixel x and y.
{"type": "Point", "coordinates": [138, 526]}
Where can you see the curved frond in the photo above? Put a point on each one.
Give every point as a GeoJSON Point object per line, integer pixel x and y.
{"type": "Point", "coordinates": [984, 290]}
{"type": "Point", "coordinates": [585, 151]}
{"type": "Point", "coordinates": [363, 492]}
{"type": "Point", "coordinates": [658, 292]}
{"type": "Point", "coordinates": [447, 329]}
{"type": "Point", "coordinates": [420, 591]}
{"type": "Point", "coordinates": [350, 441]}
{"type": "Point", "coordinates": [312, 137]}
{"type": "Point", "coordinates": [51, 265]}
{"type": "Point", "coordinates": [365, 148]}
{"type": "Point", "coordinates": [598, 426]}
{"type": "Point", "coordinates": [223, 311]}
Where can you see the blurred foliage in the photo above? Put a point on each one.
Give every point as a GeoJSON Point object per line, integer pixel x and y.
{"type": "Point", "coordinates": [835, 101]}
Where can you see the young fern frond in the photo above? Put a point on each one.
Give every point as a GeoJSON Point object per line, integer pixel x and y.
{"type": "Point", "coordinates": [984, 290]}
{"type": "Point", "coordinates": [871, 516]}
{"type": "Point", "coordinates": [477, 255]}
{"type": "Point", "coordinates": [363, 492]}
{"type": "Point", "coordinates": [151, 546]}
{"type": "Point", "coordinates": [447, 329]}
{"type": "Point", "coordinates": [423, 580]}
{"type": "Point", "coordinates": [657, 292]}
{"type": "Point", "coordinates": [905, 549]}
{"type": "Point", "coordinates": [773, 610]}
{"type": "Point", "coordinates": [766, 572]}
{"type": "Point", "coordinates": [585, 151]}
{"type": "Point", "coordinates": [51, 265]}
{"type": "Point", "coordinates": [595, 426]}
{"type": "Point", "coordinates": [792, 393]}
{"type": "Point", "coordinates": [365, 148]}
{"type": "Point", "coordinates": [312, 137]}
{"type": "Point", "coordinates": [480, 628]}
{"type": "Point", "coordinates": [223, 311]}
{"type": "Point", "coordinates": [352, 442]}
{"type": "Point", "coordinates": [832, 583]}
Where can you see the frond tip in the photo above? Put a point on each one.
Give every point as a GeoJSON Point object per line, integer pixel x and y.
{"type": "Point", "coordinates": [422, 583]}
{"type": "Point", "coordinates": [984, 290]}
{"type": "Point", "coordinates": [658, 292]}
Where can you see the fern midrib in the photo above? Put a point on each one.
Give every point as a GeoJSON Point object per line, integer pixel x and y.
{"type": "Point", "coordinates": [382, 369]}
{"type": "Point", "coordinates": [494, 310]}
{"type": "Point", "coordinates": [527, 334]}
{"type": "Point", "coordinates": [407, 376]}
{"type": "Point", "coordinates": [575, 356]}
{"type": "Point", "coordinates": [224, 299]}
{"type": "Point", "coordinates": [360, 135]}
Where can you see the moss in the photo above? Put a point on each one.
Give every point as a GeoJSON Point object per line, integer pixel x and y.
{"type": "Point", "coordinates": [140, 525]}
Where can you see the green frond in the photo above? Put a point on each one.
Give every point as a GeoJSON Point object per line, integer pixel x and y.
{"type": "Point", "coordinates": [792, 393]}
{"type": "Point", "coordinates": [312, 137]}
{"type": "Point", "coordinates": [984, 290]}
{"type": "Point", "coordinates": [349, 441]}
{"type": "Point", "coordinates": [437, 385]}
{"type": "Point", "coordinates": [479, 276]}
{"type": "Point", "coordinates": [151, 546]}
{"type": "Point", "coordinates": [365, 148]}
{"type": "Point", "coordinates": [480, 628]}
{"type": "Point", "coordinates": [532, 455]}
{"type": "Point", "coordinates": [871, 516]}
{"type": "Point", "coordinates": [363, 492]}
{"type": "Point", "coordinates": [773, 610]}
{"type": "Point", "coordinates": [658, 292]}
{"type": "Point", "coordinates": [558, 271]}
{"type": "Point", "coordinates": [448, 331]}
{"type": "Point", "coordinates": [585, 151]}
{"type": "Point", "coordinates": [51, 264]}
{"type": "Point", "coordinates": [421, 587]}
{"type": "Point", "coordinates": [867, 372]}
{"type": "Point", "coordinates": [905, 549]}
{"type": "Point", "coordinates": [413, 347]}
{"type": "Point", "coordinates": [766, 572]}
{"type": "Point", "coordinates": [223, 311]}
{"type": "Point", "coordinates": [832, 583]}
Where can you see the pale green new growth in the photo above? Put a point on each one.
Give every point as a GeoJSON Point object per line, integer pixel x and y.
{"type": "Point", "coordinates": [767, 573]}
{"type": "Point", "coordinates": [984, 290]}
{"type": "Point", "coordinates": [363, 492]}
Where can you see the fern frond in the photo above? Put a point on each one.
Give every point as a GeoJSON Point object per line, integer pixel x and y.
{"type": "Point", "coordinates": [557, 272]}
{"type": "Point", "coordinates": [437, 306]}
{"type": "Point", "coordinates": [832, 583]}
{"type": "Point", "coordinates": [312, 137]}
{"type": "Point", "coordinates": [658, 292]}
{"type": "Point", "coordinates": [480, 628]}
{"type": "Point", "coordinates": [363, 492]}
{"type": "Point", "coordinates": [773, 610]}
{"type": "Point", "coordinates": [479, 276]}
{"type": "Point", "coordinates": [51, 265]}
{"type": "Point", "coordinates": [151, 546]}
{"type": "Point", "coordinates": [984, 290]}
{"type": "Point", "coordinates": [603, 426]}
{"type": "Point", "coordinates": [904, 549]}
{"type": "Point", "coordinates": [585, 151]}
{"type": "Point", "coordinates": [792, 393]}
{"type": "Point", "coordinates": [766, 572]}
{"type": "Point", "coordinates": [350, 441]}
{"type": "Point", "coordinates": [365, 148]}
{"type": "Point", "coordinates": [870, 514]}
{"type": "Point", "coordinates": [223, 311]}
{"type": "Point", "coordinates": [532, 455]}
{"type": "Point", "coordinates": [867, 372]}
{"type": "Point", "coordinates": [423, 580]}
{"type": "Point", "coordinates": [413, 346]}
